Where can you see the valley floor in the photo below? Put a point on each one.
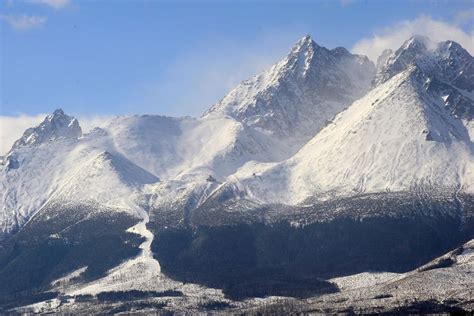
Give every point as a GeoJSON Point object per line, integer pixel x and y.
{"type": "Point", "coordinates": [445, 284]}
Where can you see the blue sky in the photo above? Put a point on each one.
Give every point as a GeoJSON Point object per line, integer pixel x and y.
{"type": "Point", "coordinates": [179, 57]}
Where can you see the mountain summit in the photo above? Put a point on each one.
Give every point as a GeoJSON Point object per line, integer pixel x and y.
{"type": "Point", "coordinates": [447, 68]}
{"type": "Point", "coordinates": [56, 125]}
{"type": "Point", "coordinates": [298, 95]}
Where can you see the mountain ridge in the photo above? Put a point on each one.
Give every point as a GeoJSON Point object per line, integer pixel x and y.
{"type": "Point", "coordinates": [280, 186]}
{"type": "Point", "coordinates": [235, 144]}
{"type": "Point", "coordinates": [298, 89]}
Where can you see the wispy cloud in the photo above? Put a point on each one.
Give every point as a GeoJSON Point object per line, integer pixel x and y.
{"type": "Point", "coordinates": [12, 127]}
{"type": "Point", "coordinates": [89, 122]}
{"type": "Point", "coordinates": [23, 22]}
{"type": "Point", "coordinates": [393, 36]}
{"type": "Point", "coordinates": [55, 4]}
{"type": "Point", "coordinates": [199, 78]}
{"type": "Point", "coordinates": [464, 17]}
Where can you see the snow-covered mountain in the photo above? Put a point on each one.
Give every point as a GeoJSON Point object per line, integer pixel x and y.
{"type": "Point", "coordinates": [55, 126]}
{"type": "Point", "coordinates": [320, 132]}
{"type": "Point", "coordinates": [447, 66]}
{"type": "Point", "coordinates": [297, 96]}
{"type": "Point", "coordinates": [55, 163]}
{"type": "Point", "coordinates": [267, 119]}
{"type": "Point", "coordinates": [412, 131]}
{"type": "Point", "coordinates": [33, 166]}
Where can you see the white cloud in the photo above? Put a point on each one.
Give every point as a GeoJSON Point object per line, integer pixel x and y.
{"type": "Point", "coordinates": [56, 4]}
{"type": "Point", "coordinates": [393, 37]}
{"type": "Point", "coordinates": [88, 123]}
{"type": "Point", "coordinates": [23, 22]}
{"type": "Point", "coordinates": [12, 127]}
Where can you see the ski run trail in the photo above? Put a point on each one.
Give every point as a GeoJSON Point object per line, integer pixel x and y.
{"type": "Point", "coordinates": [140, 273]}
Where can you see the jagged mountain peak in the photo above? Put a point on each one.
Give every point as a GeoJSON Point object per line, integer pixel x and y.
{"type": "Point", "coordinates": [417, 42]}
{"type": "Point", "coordinates": [412, 48]}
{"type": "Point", "coordinates": [391, 63]}
{"type": "Point", "coordinates": [298, 95]}
{"type": "Point", "coordinates": [452, 51]}
{"type": "Point", "coordinates": [452, 47]}
{"type": "Point", "coordinates": [425, 54]}
{"type": "Point", "coordinates": [457, 65]}
{"type": "Point", "coordinates": [58, 118]}
{"type": "Point", "coordinates": [306, 39]}
{"type": "Point", "coordinates": [304, 44]}
{"type": "Point", "coordinates": [307, 44]}
{"type": "Point", "coordinates": [301, 57]}
{"type": "Point", "coordinates": [54, 126]}
{"type": "Point", "coordinates": [446, 69]}
{"type": "Point", "coordinates": [58, 112]}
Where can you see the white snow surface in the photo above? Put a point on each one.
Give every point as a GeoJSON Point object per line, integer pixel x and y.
{"type": "Point", "coordinates": [65, 280]}
{"type": "Point", "coordinates": [378, 144]}
{"type": "Point", "coordinates": [69, 170]}
{"type": "Point", "coordinates": [364, 280]}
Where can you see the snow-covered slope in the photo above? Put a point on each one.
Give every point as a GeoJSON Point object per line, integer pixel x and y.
{"type": "Point", "coordinates": [297, 96]}
{"type": "Point", "coordinates": [57, 166]}
{"type": "Point", "coordinates": [403, 135]}
{"type": "Point", "coordinates": [105, 179]}
{"type": "Point", "coordinates": [32, 169]}
{"type": "Point", "coordinates": [446, 280]}
{"type": "Point", "coordinates": [266, 118]}
{"type": "Point", "coordinates": [173, 147]}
